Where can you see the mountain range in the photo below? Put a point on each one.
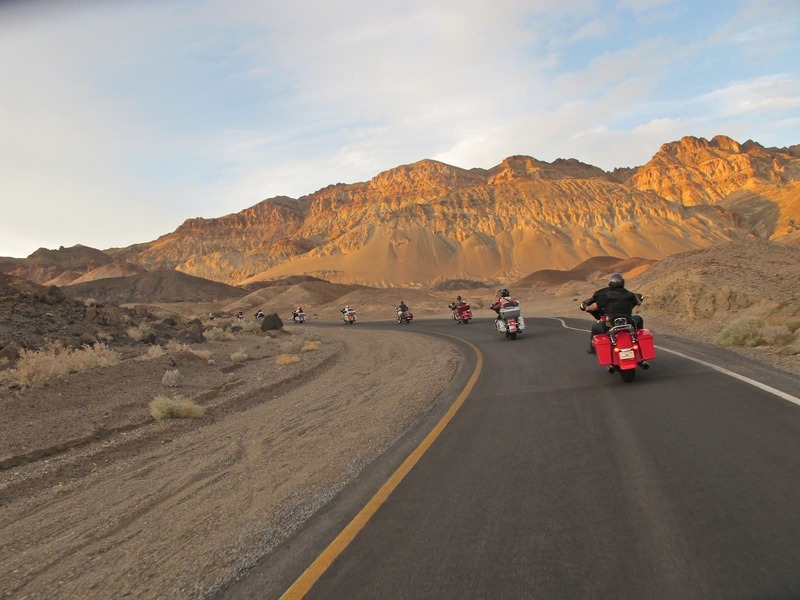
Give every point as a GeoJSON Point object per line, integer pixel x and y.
{"type": "Point", "coordinates": [428, 223]}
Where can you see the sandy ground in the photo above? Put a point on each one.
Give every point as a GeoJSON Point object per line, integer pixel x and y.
{"type": "Point", "coordinates": [117, 505]}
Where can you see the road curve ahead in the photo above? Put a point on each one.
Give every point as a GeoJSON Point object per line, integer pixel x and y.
{"type": "Point", "coordinates": [555, 480]}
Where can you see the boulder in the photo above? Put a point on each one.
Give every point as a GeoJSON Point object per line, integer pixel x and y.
{"type": "Point", "coordinates": [191, 335]}
{"type": "Point", "coordinates": [271, 322]}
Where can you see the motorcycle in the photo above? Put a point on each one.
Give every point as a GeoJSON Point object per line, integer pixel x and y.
{"type": "Point", "coordinates": [404, 316]}
{"type": "Point", "coordinates": [349, 317]}
{"type": "Point", "coordinates": [624, 348]}
{"type": "Point", "coordinates": [510, 321]}
{"type": "Point", "coordinates": [299, 317]}
{"type": "Point", "coordinates": [461, 313]}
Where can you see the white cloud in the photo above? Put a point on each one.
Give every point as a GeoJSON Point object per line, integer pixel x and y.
{"type": "Point", "coordinates": [138, 115]}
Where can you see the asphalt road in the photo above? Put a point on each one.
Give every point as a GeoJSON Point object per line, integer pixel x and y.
{"type": "Point", "coordinates": [556, 480]}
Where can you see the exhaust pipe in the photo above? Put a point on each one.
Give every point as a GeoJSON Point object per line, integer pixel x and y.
{"type": "Point", "coordinates": [645, 365]}
{"type": "Point", "coordinates": [611, 369]}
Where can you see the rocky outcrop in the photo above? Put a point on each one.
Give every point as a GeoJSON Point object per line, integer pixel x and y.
{"type": "Point", "coordinates": [429, 222]}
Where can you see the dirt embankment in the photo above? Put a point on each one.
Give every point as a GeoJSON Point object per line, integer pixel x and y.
{"type": "Point", "coordinates": [97, 500]}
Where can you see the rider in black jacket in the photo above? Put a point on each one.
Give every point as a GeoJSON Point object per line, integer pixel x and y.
{"type": "Point", "coordinates": [613, 301]}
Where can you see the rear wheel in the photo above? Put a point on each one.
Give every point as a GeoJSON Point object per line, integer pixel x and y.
{"type": "Point", "coordinates": [513, 335]}
{"type": "Point", "coordinates": [628, 375]}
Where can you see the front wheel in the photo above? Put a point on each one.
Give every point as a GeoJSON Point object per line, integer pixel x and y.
{"type": "Point", "coordinates": [628, 375]}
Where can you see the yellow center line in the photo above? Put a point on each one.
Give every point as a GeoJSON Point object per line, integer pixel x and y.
{"type": "Point", "coordinates": [312, 574]}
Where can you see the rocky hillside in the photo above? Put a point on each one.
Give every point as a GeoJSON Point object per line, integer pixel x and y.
{"type": "Point", "coordinates": [428, 222]}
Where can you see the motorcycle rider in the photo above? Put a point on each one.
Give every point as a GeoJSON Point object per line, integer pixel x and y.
{"type": "Point", "coordinates": [259, 314]}
{"type": "Point", "coordinates": [296, 313]}
{"type": "Point", "coordinates": [402, 307]}
{"type": "Point", "coordinates": [613, 301]}
{"type": "Point", "coordinates": [502, 299]}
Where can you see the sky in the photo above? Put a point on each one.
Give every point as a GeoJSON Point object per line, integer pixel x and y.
{"type": "Point", "coordinates": [120, 120]}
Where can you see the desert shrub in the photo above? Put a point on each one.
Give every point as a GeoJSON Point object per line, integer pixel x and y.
{"type": "Point", "coordinates": [172, 378]}
{"type": "Point", "coordinates": [37, 366]}
{"type": "Point", "coordinates": [204, 354]}
{"type": "Point", "coordinates": [777, 335]}
{"type": "Point", "coordinates": [218, 334]}
{"type": "Point", "coordinates": [239, 356]}
{"type": "Point", "coordinates": [152, 352]}
{"type": "Point", "coordinates": [746, 331]}
{"type": "Point", "coordinates": [311, 345]}
{"type": "Point", "coordinates": [175, 346]}
{"type": "Point", "coordinates": [90, 302]}
{"type": "Point", "coordinates": [177, 407]}
{"type": "Point", "coordinates": [250, 326]}
{"type": "Point", "coordinates": [286, 359]}
{"type": "Point", "coordinates": [140, 331]}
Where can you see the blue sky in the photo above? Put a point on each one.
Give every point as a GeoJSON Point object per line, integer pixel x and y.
{"type": "Point", "coordinates": [120, 120]}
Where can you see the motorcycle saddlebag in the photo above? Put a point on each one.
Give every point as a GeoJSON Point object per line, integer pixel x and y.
{"type": "Point", "coordinates": [602, 346]}
{"type": "Point", "coordinates": [646, 345]}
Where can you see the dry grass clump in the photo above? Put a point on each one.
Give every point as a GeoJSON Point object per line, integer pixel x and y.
{"type": "Point", "coordinates": [218, 334]}
{"type": "Point", "coordinates": [239, 356]}
{"type": "Point", "coordinates": [752, 332]}
{"type": "Point", "coordinates": [177, 407]}
{"type": "Point", "coordinates": [140, 331]}
{"type": "Point", "coordinates": [37, 366]}
{"type": "Point", "coordinates": [286, 359]}
{"type": "Point", "coordinates": [175, 346]}
{"type": "Point", "coordinates": [310, 346]}
{"type": "Point", "coordinates": [250, 326]}
{"type": "Point", "coordinates": [172, 378]}
{"type": "Point", "coordinates": [151, 352]}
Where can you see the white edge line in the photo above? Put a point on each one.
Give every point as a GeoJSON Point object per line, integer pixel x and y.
{"type": "Point", "coordinates": [724, 371]}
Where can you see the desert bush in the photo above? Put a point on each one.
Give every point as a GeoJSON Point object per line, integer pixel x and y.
{"type": "Point", "coordinates": [177, 407]}
{"type": "Point", "coordinates": [311, 345]}
{"type": "Point", "coordinates": [218, 334]}
{"type": "Point", "coordinates": [777, 335]}
{"type": "Point", "coordinates": [175, 346]}
{"type": "Point", "coordinates": [90, 302]}
{"type": "Point", "coordinates": [204, 354]}
{"type": "Point", "coordinates": [746, 331]}
{"type": "Point", "coordinates": [752, 332]}
{"type": "Point", "coordinates": [286, 359]}
{"type": "Point", "coordinates": [172, 378]}
{"type": "Point", "coordinates": [140, 331]}
{"type": "Point", "coordinates": [239, 356]}
{"type": "Point", "coordinates": [37, 366]}
{"type": "Point", "coordinates": [151, 352]}
{"type": "Point", "coordinates": [250, 326]}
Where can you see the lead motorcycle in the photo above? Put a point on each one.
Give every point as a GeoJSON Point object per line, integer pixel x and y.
{"type": "Point", "coordinates": [623, 348]}
{"type": "Point", "coordinates": [510, 321]}
{"type": "Point", "coordinates": [299, 317]}
{"type": "Point", "coordinates": [349, 316]}
{"type": "Point", "coordinates": [403, 316]}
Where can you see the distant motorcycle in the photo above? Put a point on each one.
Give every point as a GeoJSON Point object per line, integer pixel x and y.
{"type": "Point", "coordinates": [510, 322]}
{"type": "Point", "coordinates": [461, 313]}
{"type": "Point", "coordinates": [349, 316]}
{"type": "Point", "coordinates": [299, 317]}
{"type": "Point", "coordinates": [404, 316]}
{"type": "Point", "coordinates": [624, 348]}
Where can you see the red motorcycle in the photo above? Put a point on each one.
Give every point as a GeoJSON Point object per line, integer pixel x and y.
{"type": "Point", "coordinates": [404, 316]}
{"type": "Point", "coordinates": [461, 313]}
{"type": "Point", "coordinates": [624, 348]}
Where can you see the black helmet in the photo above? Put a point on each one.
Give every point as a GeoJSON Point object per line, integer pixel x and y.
{"type": "Point", "coordinates": [504, 293]}
{"type": "Point", "coordinates": [616, 281]}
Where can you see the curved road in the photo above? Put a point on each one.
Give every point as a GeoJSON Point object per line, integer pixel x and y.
{"type": "Point", "coordinates": [555, 480]}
